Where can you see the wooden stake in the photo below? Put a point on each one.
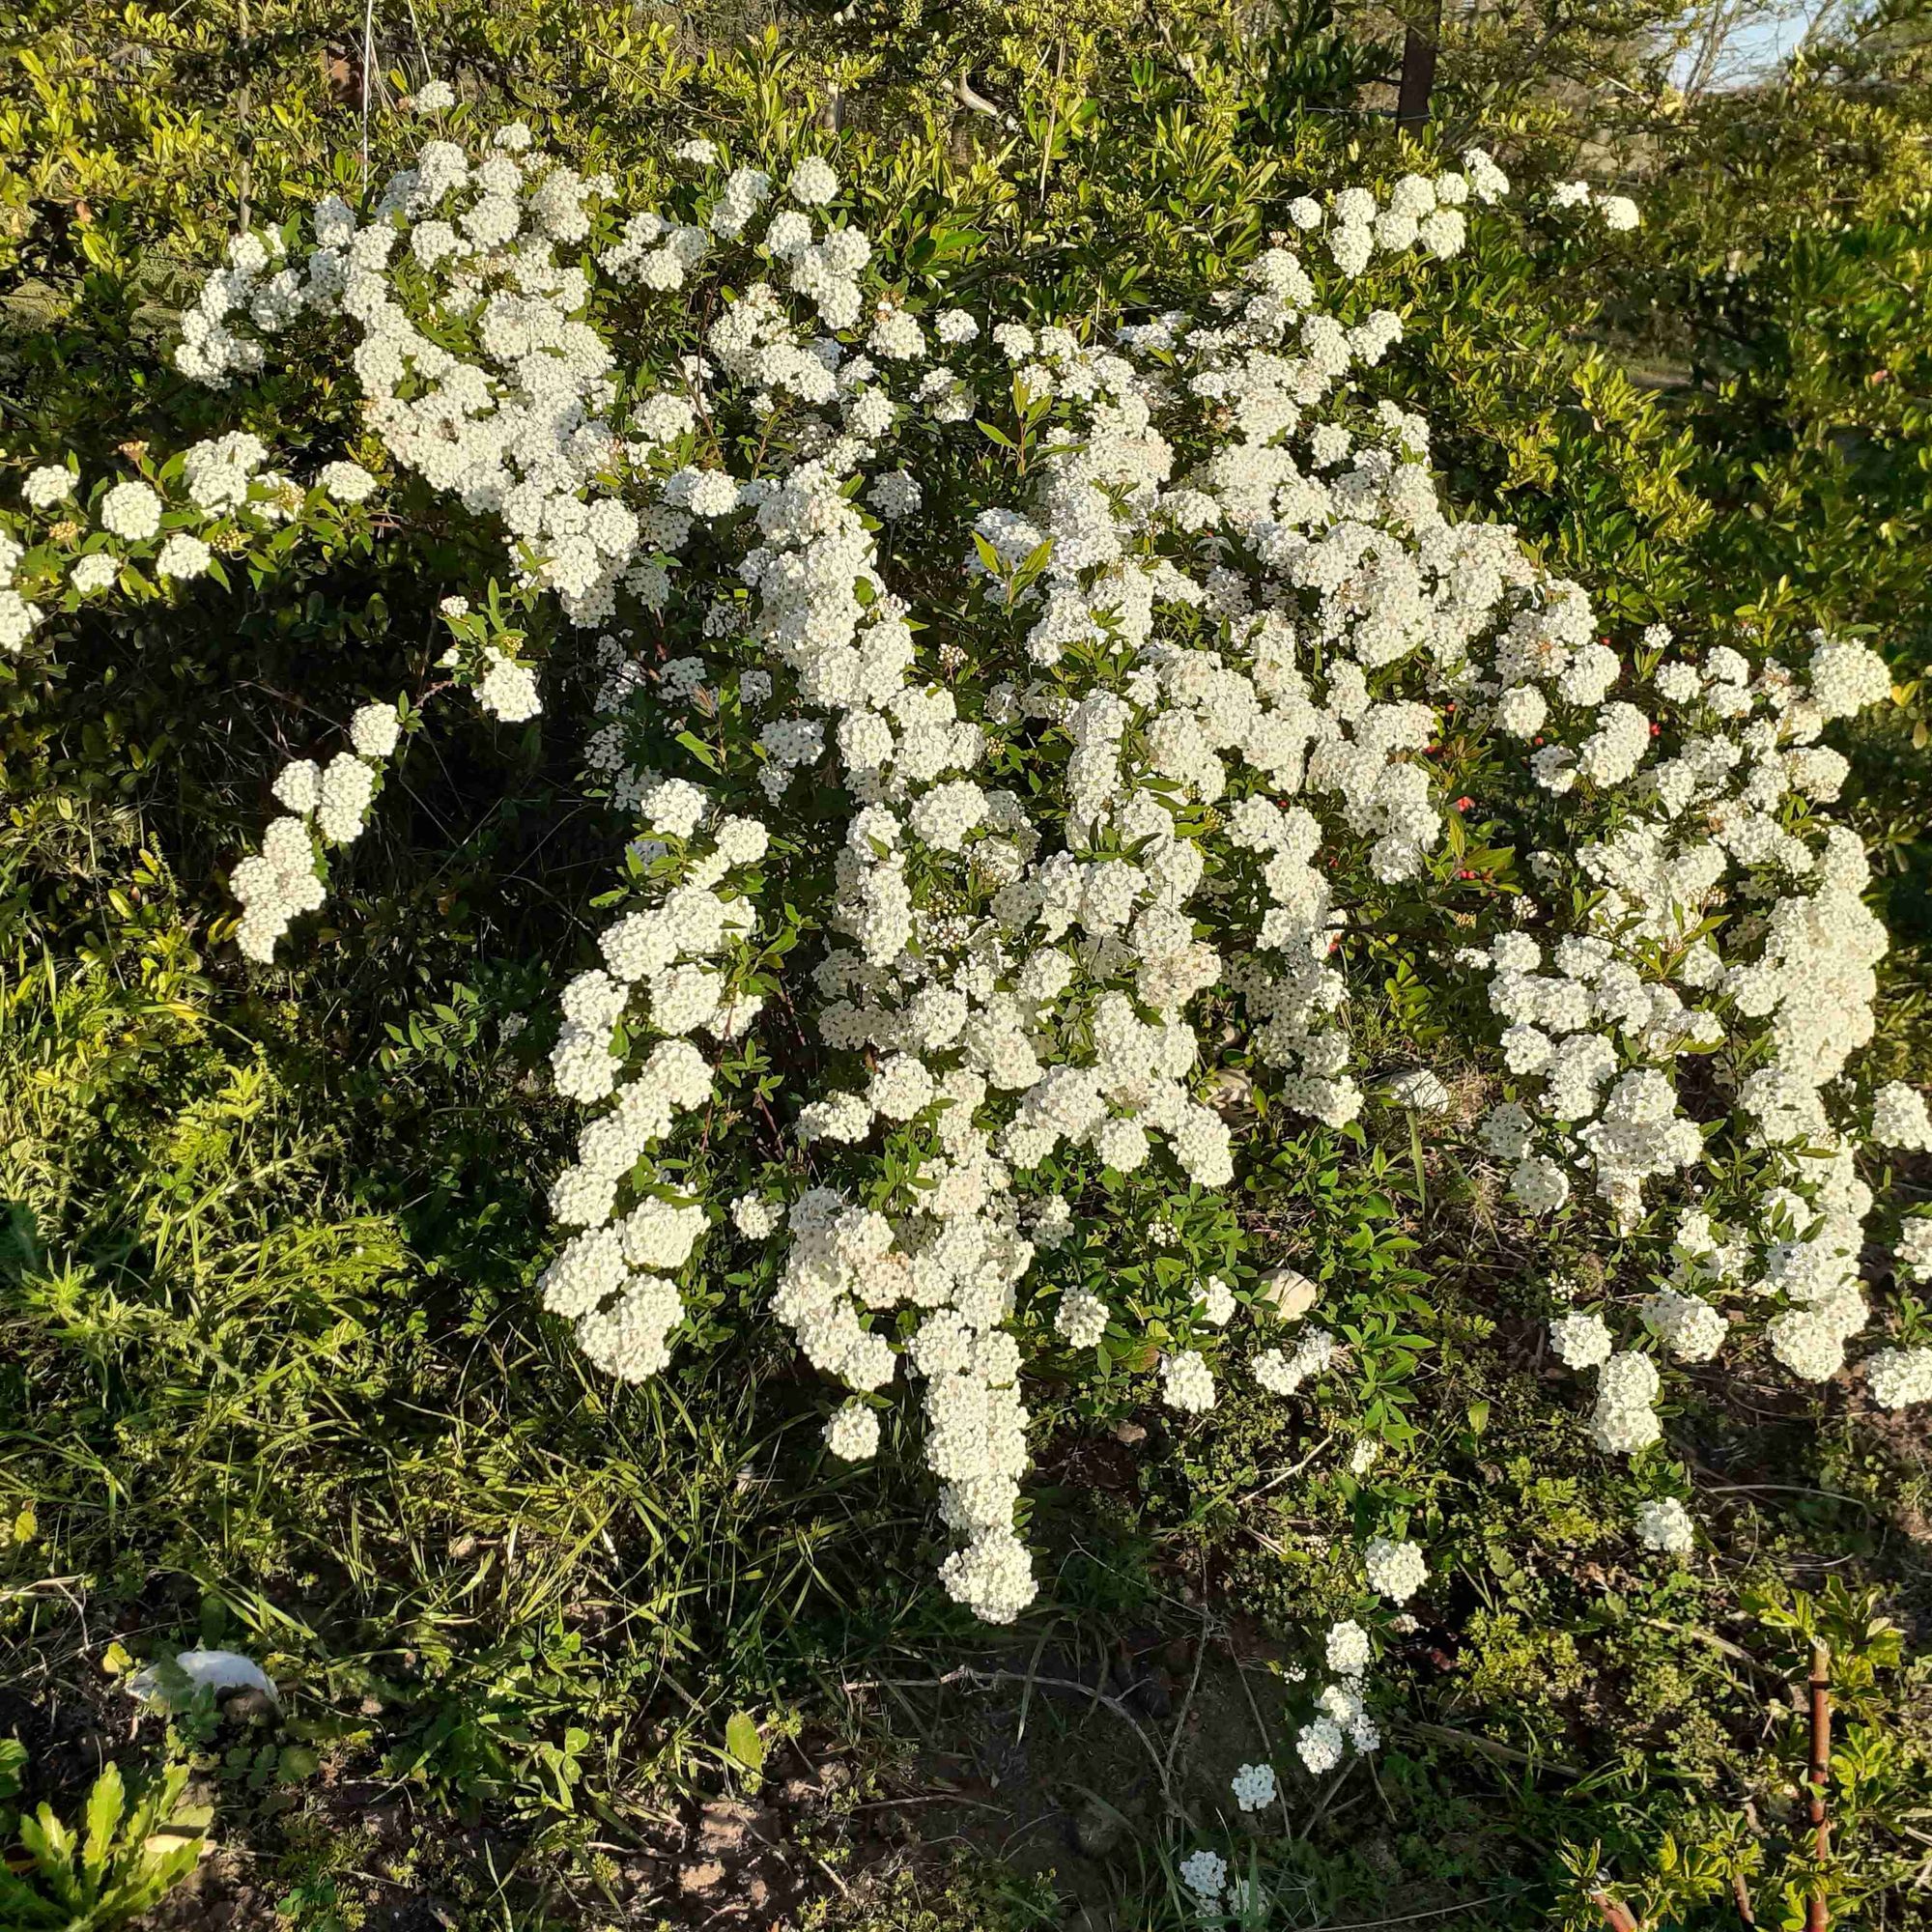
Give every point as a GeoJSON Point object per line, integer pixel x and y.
{"type": "Point", "coordinates": [1817, 1916]}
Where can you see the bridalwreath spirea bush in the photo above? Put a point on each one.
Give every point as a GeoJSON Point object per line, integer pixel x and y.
{"type": "Point", "coordinates": [1019, 725]}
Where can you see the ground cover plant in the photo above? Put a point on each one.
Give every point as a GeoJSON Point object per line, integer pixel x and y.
{"type": "Point", "coordinates": [931, 1024]}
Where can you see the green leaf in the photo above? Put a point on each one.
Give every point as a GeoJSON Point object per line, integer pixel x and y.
{"type": "Point", "coordinates": [742, 1742]}
{"type": "Point", "coordinates": [106, 1803]}
{"type": "Point", "coordinates": [699, 750]}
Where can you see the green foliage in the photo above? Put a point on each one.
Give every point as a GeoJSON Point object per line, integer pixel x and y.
{"type": "Point", "coordinates": [118, 1862]}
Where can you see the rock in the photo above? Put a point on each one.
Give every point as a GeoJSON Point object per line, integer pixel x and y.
{"type": "Point", "coordinates": [1132, 1433]}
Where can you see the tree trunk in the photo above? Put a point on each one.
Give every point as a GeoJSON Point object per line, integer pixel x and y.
{"type": "Point", "coordinates": [1418, 68]}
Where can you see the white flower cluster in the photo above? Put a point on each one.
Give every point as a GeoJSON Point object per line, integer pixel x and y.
{"type": "Point", "coordinates": [1218, 617]}
{"type": "Point", "coordinates": [1913, 1256]}
{"type": "Point", "coordinates": [1900, 1120]}
{"type": "Point", "coordinates": [1341, 1719]}
{"type": "Point", "coordinates": [1582, 1341]}
{"type": "Point", "coordinates": [1283, 1374]}
{"type": "Point", "coordinates": [20, 615]}
{"type": "Point", "coordinates": [1604, 1012]}
{"type": "Point", "coordinates": [222, 482]}
{"type": "Point", "coordinates": [1666, 1525]}
{"type": "Point", "coordinates": [1395, 1570]}
{"type": "Point", "coordinates": [1204, 1874]}
{"type": "Point", "coordinates": [1186, 1383]}
{"type": "Point", "coordinates": [276, 884]}
{"type": "Point", "coordinates": [1900, 1378]}
{"type": "Point", "coordinates": [1618, 213]}
{"type": "Point", "coordinates": [1625, 1418]}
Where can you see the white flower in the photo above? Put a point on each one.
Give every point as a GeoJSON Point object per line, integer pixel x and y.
{"type": "Point", "coordinates": [1217, 1302]}
{"type": "Point", "coordinates": [1348, 1648]}
{"type": "Point", "coordinates": [1625, 1419]}
{"type": "Point", "coordinates": [130, 510]}
{"type": "Point", "coordinates": [757, 1218]}
{"type": "Point", "coordinates": [1081, 1317]}
{"type": "Point", "coordinates": [343, 801]}
{"type": "Point", "coordinates": [1690, 1327]}
{"type": "Point", "coordinates": [298, 786]}
{"type": "Point", "coordinates": [812, 182]}
{"type": "Point", "coordinates": [508, 691]}
{"type": "Point", "coordinates": [47, 485]}
{"type": "Point", "coordinates": [1320, 1745]}
{"type": "Point", "coordinates": [853, 1432]}
{"type": "Point", "coordinates": [1205, 1873]}
{"type": "Point", "coordinates": [1913, 1256]}
{"type": "Point", "coordinates": [1580, 1341]}
{"type": "Point", "coordinates": [1666, 1525]}
{"type": "Point", "coordinates": [375, 730]}
{"type": "Point", "coordinates": [1186, 1383]}
{"type": "Point", "coordinates": [1900, 1378]}
{"type": "Point", "coordinates": [347, 482]}
{"type": "Point", "coordinates": [1900, 1119]}
{"type": "Point", "coordinates": [1395, 1570]}
{"type": "Point", "coordinates": [1282, 1374]}
{"type": "Point", "coordinates": [1254, 1786]}
{"type": "Point", "coordinates": [183, 556]}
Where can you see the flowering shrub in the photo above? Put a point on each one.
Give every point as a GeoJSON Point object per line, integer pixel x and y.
{"type": "Point", "coordinates": [1023, 729]}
